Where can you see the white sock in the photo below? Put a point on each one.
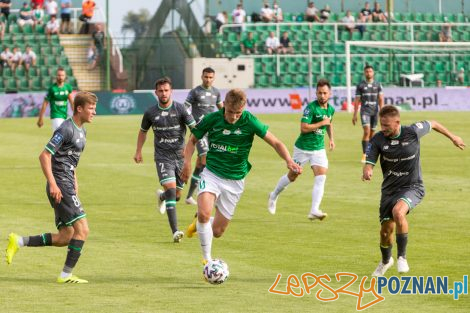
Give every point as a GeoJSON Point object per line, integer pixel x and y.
{"type": "Point", "coordinates": [317, 192]}
{"type": "Point", "coordinates": [204, 231]}
{"type": "Point", "coordinates": [281, 185]}
{"type": "Point", "coordinates": [20, 241]}
{"type": "Point", "coordinates": [65, 275]}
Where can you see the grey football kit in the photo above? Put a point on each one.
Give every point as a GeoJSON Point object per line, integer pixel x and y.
{"type": "Point", "coordinates": [203, 101]}
{"type": "Point", "coordinates": [169, 128]}
{"type": "Point", "coordinates": [401, 167]}
{"type": "Point", "coordinates": [66, 146]}
{"type": "Point", "coordinates": [369, 95]}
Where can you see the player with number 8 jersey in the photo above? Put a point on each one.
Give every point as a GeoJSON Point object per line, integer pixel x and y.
{"type": "Point", "coordinates": [59, 161]}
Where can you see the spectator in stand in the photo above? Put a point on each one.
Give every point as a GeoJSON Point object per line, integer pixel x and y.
{"type": "Point", "coordinates": [2, 29]}
{"type": "Point", "coordinates": [286, 45]}
{"type": "Point", "coordinates": [221, 19]}
{"type": "Point", "coordinates": [365, 16]}
{"type": "Point", "coordinates": [26, 16]}
{"type": "Point", "coordinates": [36, 3]}
{"type": "Point", "coordinates": [88, 10]}
{"type": "Point", "coordinates": [272, 44]}
{"type": "Point", "coordinates": [51, 8]}
{"type": "Point", "coordinates": [52, 27]}
{"type": "Point", "coordinates": [5, 6]}
{"type": "Point", "coordinates": [98, 39]}
{"type": "Point", "coordinates": [28, 59]}
{"type": "Point", "coordinates": [325, 14]}
{"type": "Point", "coordinates": [266, 13]}
{"type": "Point", "coordinates": [238, 17]}
{"type": "Point", "coordinates": [6, 57]}
{"type": "Point", "coordinates": [350, 24]}
{"type": "Point", "coordinates": [277, 11]}
{"type": "Point", "coordinates": [461, 76]}
{"type": "Point", "coordinates": [248, 45]}
{"type": "Point", "coordinates": [65, 13]}
{"type": "Point", "coordinates": [38, 15]}
{"type": "Point", "coordinates": [16, 59]}
{"type": "Point", "coordinates": [311, 13]}
{"type": "Point", "coordinates": [446, 32]}
{"type": "Point", "coordinates": [377, 14]}
{"type": "Point", "coordinates": [91, 57]}
{"type": "Point", "coordinates": [439, 83]}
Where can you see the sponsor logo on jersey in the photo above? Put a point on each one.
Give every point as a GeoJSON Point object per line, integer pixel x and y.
{"type": "Point", "coordinates": [394, 142]}
{"type": "Point", "coordinates": [226, 132]}
{"type": "Point", "coordinates": [122, 104]}
{"type": "Point", "coordinates": [168, 140]}
{"type": "Point", "coordinates": [225, 148]}
{"type": "Point", "coordinates": [385, 147]}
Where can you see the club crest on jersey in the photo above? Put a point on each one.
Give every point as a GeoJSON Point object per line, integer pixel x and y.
{"type": "Point", "coordinates": [164, 113]}
{"type": "Point", "coordinates": [419, 125]}
{"type": "Point", "coordinates": [226, 132]}
{"type": "Point", "coordinates": [385, 147]}
{"type": "Point", "coordinates": [394, 142]}
{"type": "Point", "coordinates": [237, 131]}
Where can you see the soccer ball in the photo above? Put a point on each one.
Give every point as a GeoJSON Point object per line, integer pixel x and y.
{"type": "Point", "coordinates": [215, 271]}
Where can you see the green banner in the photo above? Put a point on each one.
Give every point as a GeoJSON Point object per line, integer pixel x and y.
{"type": "Point", "coordinates": [124, 103]}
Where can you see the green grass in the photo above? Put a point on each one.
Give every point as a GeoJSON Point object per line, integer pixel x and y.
{"type": "Point", "coordinates": [133, 266]}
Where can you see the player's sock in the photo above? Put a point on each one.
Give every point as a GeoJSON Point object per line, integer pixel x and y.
{"type": "Point", "coordinates": [386, 253]}
{"type": "Point", "coordinates": [204, 231]}
{"type": "Point", "coordinates": [281, 185]}
{"type": "Point", "coordinates": [37, 241]}
{"type": "Point", "coordinates": [194, 181]}
{"type": "Point", "coordinates": [364, 146]}
{"type": "Point", "coordinates": [317, 192]}
{"type": "Point", "coordinates": [402, 241]}
{"type": "Point", "coordinates": [170, 198]}
{"type": "Point", "coordinates": [74, 251]}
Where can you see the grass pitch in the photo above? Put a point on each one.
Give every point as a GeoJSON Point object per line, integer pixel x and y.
{"type": "Point", "coordinates": [133, 265]}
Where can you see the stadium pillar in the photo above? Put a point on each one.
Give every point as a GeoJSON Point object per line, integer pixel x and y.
{"type": "Point", "coordinates": [108, 50]}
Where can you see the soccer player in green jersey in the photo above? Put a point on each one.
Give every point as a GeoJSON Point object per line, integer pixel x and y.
{"type": "Point", "coordinates": [230, 132]}
{"type": "Point", "coordinates": [310, 147]}
{"type": "Point", "coordinates": [58, 94]}
{"type": "Point", "coordinates": [59, 161]}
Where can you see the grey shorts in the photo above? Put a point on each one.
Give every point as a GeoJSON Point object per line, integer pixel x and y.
{"type": "Point", "coordinates": [69, 210]}
{"type": "Point", "coordinates": [202, 146]}
{"type": "Point", "coordinates": [412, 196]}
{"type": "Point", "coordinates": [369, 120]}
{"type": "Point", "coordinates": [170, 170]}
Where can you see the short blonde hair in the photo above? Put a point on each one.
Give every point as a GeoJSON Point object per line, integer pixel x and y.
{"type": "Point", "coordinates": [235, 98]}
{"type": "Point", "coordinates": [82, 98]}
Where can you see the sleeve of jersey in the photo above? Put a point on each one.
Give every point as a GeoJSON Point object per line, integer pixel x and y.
{"type": "Point", "coordinates": [421, 128]}
{"type": "Point", "coordinates": [48, 95]}
{"type": "Point", "coordinates": [202, 127]}
{"type": "Point", "coordinates": [57, 140]}
{"type": "Point", "coordinates": [189, 99]}
{"type": "Point", "coordinates": [146, 122]}
{"type": "Point", "coordinates": [372, 152]}
{"type": "Point", "coordinates": [188, 118]}
{"type": "Point", "coordinates": [260, 128]}
{"type": "Point", "coordinates": [381, 89]}
{"type": "Point", "coordinates": [358, 91]}
{"type": "Point", "coordinates": [307, 115]}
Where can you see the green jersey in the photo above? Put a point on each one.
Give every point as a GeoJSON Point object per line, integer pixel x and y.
{"type": "Point", "coordinates": [314, 140]}
{"type": "Point", "coordinates": [229, 144]}
{"type": "Point", "coordinates": [57, 97]}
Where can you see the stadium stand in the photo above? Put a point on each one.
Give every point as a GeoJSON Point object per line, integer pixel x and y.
{"type": "Point", "coordinates": [328, 59]}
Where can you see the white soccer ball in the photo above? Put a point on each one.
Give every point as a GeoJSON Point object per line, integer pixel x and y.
{"type": "Point", "coordinates": [216, 271]}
